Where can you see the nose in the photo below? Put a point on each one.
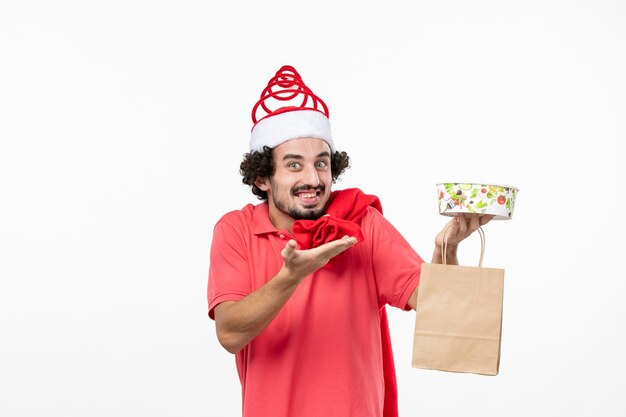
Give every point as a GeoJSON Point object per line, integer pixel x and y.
{"type": "Point", "coordinates": [311, 177]}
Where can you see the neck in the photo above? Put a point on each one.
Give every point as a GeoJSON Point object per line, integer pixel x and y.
{"type": "Point", "coordinates": [279, 219]}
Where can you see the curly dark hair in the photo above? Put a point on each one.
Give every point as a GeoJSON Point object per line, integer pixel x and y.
{"type": "Point", "coordinates": [261, 164]}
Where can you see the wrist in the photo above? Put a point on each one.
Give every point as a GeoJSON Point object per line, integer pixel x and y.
{"type": "Point", "coordinates": [451, 253]}
{"type": "Point", "coordinates": [287, 278]}
{"type": "Point", "coordinates": [451, 250]}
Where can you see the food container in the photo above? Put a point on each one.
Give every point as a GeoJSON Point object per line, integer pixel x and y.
{"type": "Point", "coordinates": [458, 197]}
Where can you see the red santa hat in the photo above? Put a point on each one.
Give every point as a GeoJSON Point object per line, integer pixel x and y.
{"type": "Point", "coordinates": [305, 119]}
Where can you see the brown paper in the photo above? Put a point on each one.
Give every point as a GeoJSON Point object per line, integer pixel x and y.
{"type": "Point", "coordinates": [458, 321]}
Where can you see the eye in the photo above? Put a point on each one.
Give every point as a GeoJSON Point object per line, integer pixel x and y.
{"type": "Point", "coordinates": [321, 164]}
{"type": "Point", "coordinates": [294, 165]}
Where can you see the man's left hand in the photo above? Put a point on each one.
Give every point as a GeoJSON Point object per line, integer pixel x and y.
{"type": "Point", "coordinates": [463, 225]}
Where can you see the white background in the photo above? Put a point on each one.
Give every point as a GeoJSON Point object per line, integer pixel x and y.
{"type": "Point", "coordinates": [122, 126]}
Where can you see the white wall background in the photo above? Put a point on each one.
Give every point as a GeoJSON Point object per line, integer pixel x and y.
{"type": "Point", "coordinates": [122, 125]}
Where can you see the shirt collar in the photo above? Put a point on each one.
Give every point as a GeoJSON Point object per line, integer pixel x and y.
{"type": "Point", "coordinates": [261, 220]}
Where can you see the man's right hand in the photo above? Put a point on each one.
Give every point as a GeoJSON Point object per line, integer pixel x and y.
{"type": "Point", "coordinates": [239, 322]}
{"type": "Point", "coordinates": [301, 263]}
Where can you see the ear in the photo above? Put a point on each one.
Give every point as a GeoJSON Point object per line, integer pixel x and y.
{"type": "Point", "coordinates": [262, 183]}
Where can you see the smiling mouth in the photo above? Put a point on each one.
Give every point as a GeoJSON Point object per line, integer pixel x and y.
{"type": "Point", "coordinates": [309, 197]}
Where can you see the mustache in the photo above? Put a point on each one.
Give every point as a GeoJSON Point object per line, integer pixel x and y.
{"type": "Point", "coordinates": [321, 188]}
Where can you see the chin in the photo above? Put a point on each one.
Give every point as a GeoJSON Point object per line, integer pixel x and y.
{"type": "Point", "coordinates": [306, 214]}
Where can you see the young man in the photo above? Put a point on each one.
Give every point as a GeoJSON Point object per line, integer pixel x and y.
{"type": "Point", "coordinates": [298, 284]}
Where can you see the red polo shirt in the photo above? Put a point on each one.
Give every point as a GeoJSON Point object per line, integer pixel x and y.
{"type": "Point", "coordinates": [321, 355]}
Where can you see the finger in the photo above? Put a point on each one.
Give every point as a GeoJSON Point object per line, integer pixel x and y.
{"type": "Point", "coordinates": [335, 247]}
{"type": "Point", "coordinates": [346, 241]}
{"type": "Point", "coordinates": [486, 219]}
{"type": "Point", "coordinates": [462, 224]}
{"type": "Point", "coordinates": [474, 224]}
{"type": "Point", "coordinates": [456, 225]}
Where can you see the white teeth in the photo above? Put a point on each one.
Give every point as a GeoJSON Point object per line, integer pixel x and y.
{"type": "Point", "coordinates": [307, 195]}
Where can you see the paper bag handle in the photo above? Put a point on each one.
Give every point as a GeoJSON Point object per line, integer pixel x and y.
{"type": "Point", "coordinates": [481, 232]}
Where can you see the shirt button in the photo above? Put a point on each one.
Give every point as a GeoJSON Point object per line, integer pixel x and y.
{"type": "Point", "coordinates": [282, 236]}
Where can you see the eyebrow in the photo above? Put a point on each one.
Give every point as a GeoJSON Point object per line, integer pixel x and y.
{"type": "Point", "coordinates": [295, 156]}
{"type": "Point", "coordinates": [292, 156]}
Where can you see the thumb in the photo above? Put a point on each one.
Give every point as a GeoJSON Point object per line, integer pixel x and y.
{"type": "Point", "coordinates": [289, 249]}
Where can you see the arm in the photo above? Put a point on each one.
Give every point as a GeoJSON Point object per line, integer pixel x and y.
{"type": "Point", "coordinates": [239, 322]}
{"type": "Point", "coordinates": [413, 299]}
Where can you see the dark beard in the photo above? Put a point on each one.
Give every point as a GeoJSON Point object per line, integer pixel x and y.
{"type": "Point", "coordinates": [305, 215]}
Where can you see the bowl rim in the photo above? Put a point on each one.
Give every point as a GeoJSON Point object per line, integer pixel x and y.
{"type": "Point", "coordinates": [479, 184]}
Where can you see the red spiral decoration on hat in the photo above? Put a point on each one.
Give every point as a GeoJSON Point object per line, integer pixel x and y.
{"type": "Point", "coordinates": [289, 85]}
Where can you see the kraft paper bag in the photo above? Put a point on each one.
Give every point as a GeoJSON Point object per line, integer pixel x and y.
{"type": "Point", "coordinates": [458, 322]}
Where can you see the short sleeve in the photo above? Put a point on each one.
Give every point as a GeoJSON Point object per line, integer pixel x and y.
{"type": "Point", "coordinates": [229, 274]}
{"type": "Point", "coordinates": [395, 263]}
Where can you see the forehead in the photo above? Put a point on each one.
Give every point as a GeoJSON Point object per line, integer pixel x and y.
{"type": "Point", "coordinates": [305, 147]}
